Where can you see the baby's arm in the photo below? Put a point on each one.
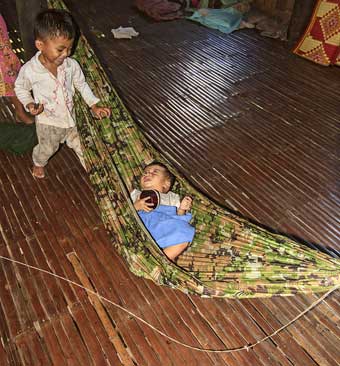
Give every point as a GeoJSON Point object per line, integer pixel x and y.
{"type": "Point", "coordinates": [140, 204]}
{"type": "Point", "coordinates": [184, 206]}
{"type": "Point", "coordinates": [143, 204]}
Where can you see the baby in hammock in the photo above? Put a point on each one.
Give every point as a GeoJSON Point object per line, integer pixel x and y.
{"type": "Point", "coordinates": [169, 222]}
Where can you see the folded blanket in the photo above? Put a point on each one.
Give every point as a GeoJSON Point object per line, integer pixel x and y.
{"type": "Point", "coordinates": [225, 20]}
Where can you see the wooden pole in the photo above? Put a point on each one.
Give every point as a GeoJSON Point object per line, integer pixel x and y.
{"type": "Point", "coordinates": [302, 12]}
{"type": "Point", "coordinates": [27, 10]}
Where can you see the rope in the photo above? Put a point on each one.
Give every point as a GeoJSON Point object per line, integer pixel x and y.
{"type": "Point", "coordinates": [208, 350]}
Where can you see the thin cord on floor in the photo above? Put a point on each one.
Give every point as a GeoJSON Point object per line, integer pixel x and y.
{"type": "Point", "coordinates": [238, 349]}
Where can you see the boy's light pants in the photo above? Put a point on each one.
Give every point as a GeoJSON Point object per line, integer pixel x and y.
{"type": "Point", "coordinates": [49, 139]}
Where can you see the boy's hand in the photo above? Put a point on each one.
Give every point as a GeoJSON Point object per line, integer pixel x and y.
{"type": "Point", "coordinates": [101, 112]}
{"type": "Point", "coordinates": [186, 203]}
{"type": "Point", "coordinates": [143, 205]}
{"type": "Point", "coordinates": [35, 108]}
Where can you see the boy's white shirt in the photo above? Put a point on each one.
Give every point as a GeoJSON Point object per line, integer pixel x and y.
{"type": "Point", "coordinates": [167, 199]}
{"type": "Point", "coordinates": [56, 94]}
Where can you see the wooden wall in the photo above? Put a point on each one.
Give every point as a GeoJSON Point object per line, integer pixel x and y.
{"type": "Point", "coordinates": [271, 6]}
{"type": "Point", "coordinates": [301, 11]}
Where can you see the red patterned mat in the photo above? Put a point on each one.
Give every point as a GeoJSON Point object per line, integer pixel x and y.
{"type": "Point", "coordinates": [321, 40]}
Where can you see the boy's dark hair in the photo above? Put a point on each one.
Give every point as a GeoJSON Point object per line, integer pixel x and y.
{"type": "Point", "coordinates": [167, 172]}
{"type": "Point", "coordinates": [52, 23]}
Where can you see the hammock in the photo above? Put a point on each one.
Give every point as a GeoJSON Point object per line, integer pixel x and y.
{"type": "Point", "coordinates": [229, 257]}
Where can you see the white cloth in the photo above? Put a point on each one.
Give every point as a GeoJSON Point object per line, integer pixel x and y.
{"type": "Point", "coordinates": [56, 94]}
{"type": "Point", "coordinates": [124, 32]}
{"type": "Point", "coordinates": [167, 199]}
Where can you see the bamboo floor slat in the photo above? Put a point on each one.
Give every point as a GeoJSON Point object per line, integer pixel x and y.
{"type": "Point", "coordinates": [254, 127]}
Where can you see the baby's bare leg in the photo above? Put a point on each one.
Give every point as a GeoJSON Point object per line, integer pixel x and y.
{"type": "Point", "coordinates": [175, 250]}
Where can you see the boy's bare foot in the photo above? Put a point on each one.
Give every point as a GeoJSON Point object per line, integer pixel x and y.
{"type": "Point", "coordinates": [38, 172]}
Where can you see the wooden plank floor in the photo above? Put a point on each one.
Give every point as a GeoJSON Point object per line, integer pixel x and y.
{"type": "Point", "coordinates": [255, 127]}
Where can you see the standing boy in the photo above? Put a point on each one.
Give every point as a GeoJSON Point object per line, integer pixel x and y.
{"type": "Point", "coordinates": [53, 76]}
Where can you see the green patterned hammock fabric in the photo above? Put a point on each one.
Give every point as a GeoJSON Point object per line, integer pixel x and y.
{"type": "Point", "coordinates": [229, 257]}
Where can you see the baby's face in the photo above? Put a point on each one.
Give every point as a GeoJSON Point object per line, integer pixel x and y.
{"type": "Point", "coordinates": [154, 177]}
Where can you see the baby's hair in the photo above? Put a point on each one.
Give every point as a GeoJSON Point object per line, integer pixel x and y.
{"type": "Point", "coordinates": [167, 172]}
{"type": "Point", "coordinates": [54, 23]}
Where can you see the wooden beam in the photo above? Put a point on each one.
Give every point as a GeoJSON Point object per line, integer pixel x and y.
{"type": "Point", "coordinates": [111, 330]}
{"type": "Point", "coordinates": [302, 12]}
